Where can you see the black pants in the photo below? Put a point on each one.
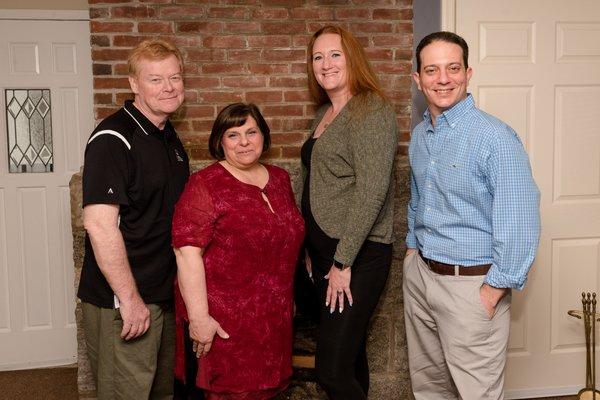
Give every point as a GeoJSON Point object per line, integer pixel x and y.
{"type": "Point", "coordinates": [341, 359]}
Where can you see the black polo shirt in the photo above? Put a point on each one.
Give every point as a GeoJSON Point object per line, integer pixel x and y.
{"type": "Point", "coordinates": [132, 163]}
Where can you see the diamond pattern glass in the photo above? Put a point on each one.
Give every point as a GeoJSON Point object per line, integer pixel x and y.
{"type": "Point", "coordinates": [29, 130]}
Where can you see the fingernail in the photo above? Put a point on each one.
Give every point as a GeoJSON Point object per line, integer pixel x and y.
{"type": "Point", "coordinates": [350, 303]}
{"type": "Point", "coordinates": [310, 275]}
{"type": "Point", "coordinates": [326, 303]}
{"type": "Point", "coordinates": [341, 309]}
{"type": "Point", "coordinates": [331, 311]}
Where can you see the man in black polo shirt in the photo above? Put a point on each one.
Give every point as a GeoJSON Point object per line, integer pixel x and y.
{"type": "Point", "coordinates": [135, 169]}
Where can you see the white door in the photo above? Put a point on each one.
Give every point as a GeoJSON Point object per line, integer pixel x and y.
{"type": "Point", "coordinates": [537, 66]}
{"type": "Point", "coordinates": [45, 117]}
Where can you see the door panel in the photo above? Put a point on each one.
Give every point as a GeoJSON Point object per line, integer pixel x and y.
{"type": "Point", "coordinates": [537, 67]}
{"type": "Point", "coordinates": [37, 300]}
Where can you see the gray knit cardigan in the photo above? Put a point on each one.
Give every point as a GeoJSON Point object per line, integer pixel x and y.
{"type": "Point", "coordinates": [351, 179]}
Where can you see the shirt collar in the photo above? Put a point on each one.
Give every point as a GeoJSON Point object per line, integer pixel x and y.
{"type": "Point", "coordinates": [144, 123]}
{"type": "Point", "coordinates": [454, 113]}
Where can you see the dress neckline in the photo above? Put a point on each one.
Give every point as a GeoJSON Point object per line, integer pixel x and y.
{"type": "Point", "coordinates": [262, 190]}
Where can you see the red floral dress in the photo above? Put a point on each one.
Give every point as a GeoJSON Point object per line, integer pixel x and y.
{"type": "Point", "coordinates": [249, 258]}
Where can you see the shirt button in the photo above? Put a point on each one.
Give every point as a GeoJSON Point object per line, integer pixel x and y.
{"type": "Point", "coordinates": [428, 208]}
{"type": "Point", "coordinates": [429, 186]}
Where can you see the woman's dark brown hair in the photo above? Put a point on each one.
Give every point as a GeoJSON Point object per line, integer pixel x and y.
{"type": "Point", "coordinates": [232, 116]}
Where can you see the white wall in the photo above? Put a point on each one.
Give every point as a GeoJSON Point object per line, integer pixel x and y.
{"type": "Point", "coordinates": [45, 4]}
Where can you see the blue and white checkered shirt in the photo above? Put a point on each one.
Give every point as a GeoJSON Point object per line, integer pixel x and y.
{"type": "Point", "coordinates": [474, 200]}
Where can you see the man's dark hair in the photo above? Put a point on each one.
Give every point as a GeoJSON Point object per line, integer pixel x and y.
{"type": "Point", "coordinates": [443, 36]}
{"type": "Point", "coordinates": [235, 115]}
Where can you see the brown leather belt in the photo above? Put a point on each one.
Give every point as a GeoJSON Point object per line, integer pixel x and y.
{"type": "Point", "coordinates": [448, 269]}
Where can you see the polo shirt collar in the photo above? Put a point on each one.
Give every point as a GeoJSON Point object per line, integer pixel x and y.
{"type": "Point", "coordinates": [144, 123]}
{"type": "Point", "coordinates": [454, 114]}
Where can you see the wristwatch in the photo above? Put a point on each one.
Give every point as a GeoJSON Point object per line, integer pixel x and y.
{"type": "Point", "coordinates": [339, 265]}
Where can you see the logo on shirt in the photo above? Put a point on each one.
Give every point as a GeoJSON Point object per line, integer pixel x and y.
{"type": "Point", "coordinates": [110, 191]}
{"type": "Point", "coordinates": [178, 156]}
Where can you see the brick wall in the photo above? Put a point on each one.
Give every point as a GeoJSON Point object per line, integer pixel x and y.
{"type": "Point", "coordinates": [255, 51]}
{"type": "Point", "coordinates": [248, 50]}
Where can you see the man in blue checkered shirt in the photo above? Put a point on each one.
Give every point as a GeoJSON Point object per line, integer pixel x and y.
{"type": "Point", "coordinates": [473, 231]}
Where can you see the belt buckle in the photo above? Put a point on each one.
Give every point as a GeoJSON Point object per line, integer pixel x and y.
{"type": "Point", "coordinates": [457, 270]}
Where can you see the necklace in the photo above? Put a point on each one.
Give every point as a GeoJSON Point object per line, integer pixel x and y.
{"type": "Point", "coordinates": [329, 118]}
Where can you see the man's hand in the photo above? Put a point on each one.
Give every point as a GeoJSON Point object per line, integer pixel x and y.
{"type": "Point", "coordinates": [490, 296]}
{"type": "Point", "coordinates": [136, 317]}
{"type": "Point", "coordinates": [409, 251]}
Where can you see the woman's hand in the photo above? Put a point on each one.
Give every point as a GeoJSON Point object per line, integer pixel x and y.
{"type": "Point", "coordinates": [202, 333]}
{"type": "Point", "coordinates": [308, 265]}
{"type": "Point", "coordinates": [339, 285]}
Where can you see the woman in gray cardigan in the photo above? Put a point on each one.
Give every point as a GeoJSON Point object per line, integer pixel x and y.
{"type": "Point", "coordinates": [347, 204]}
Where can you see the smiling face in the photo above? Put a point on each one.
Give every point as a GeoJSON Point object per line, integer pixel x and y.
{"type": "Point", "coordinates": [243, 145]}
{"type": "Point", "coordinates": [158, 88]}
{"type": "Point", "coordinates": [443, 78]}
{"type": "Point", "coordinates": [329, 64]}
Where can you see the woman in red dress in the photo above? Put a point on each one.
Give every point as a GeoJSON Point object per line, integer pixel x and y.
{"type": "Point", "coordinates": [237, 234]}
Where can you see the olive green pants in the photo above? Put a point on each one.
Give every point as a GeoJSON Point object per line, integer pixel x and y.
{"type": "Point", "coordinates": [141, 368]}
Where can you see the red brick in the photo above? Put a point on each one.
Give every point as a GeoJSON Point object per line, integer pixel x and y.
{"type": "Point", "coordinates": [181, 125]}
{"type": "Point", "coordinates": [97, 26]}
{"type": "Point", "coordinates": [288, 81]}
{"type": "Point", "coordinates": [198, 153]}
{"type": "Point", "coordinates": [128, 40]}
{"type": "Point", "coordinates": [264, 96]}
{"type": "Point", "coordinates": [403, 150]}
{"type": "Point", "coordinates": [183, 40]}
{"type": "Point", "coordinates": [203, 125]}
{"type": "Point", "coordinates": [109, 54]}
{"type": "Point", "coordinates": [403, 40]}
{"type": "Point", "coordinates": [403, 27]}
{"type": "Point", "coordinates": [287, 138]}
{"type": "Point", "coordinates": [353, 13]}
{"type": "Point", "coordinates": [221, 68]}
{"type": "Point", "coordinates": [377, 2]}
{"type": "Point", "coordinates": [380, 27]}
{"type": "Point", "coordinates": [190, 68]}
{"type": "Point", "coordinates": [111, 83]}
{"type": "Point", "coordinates": [98, 13]}
{"type": "Point", "coordinates": [243, 55]}
{"type": "Point", "coordinates": [100, 40]}
{"type": "Point", "coordinates": [239, 2]}
{"type": "Point", "coordinates": [182, 12]}
{"type": "Point", "coordinates": [392, 67]}
{"type": "Point", "coordinates": [191, 96]}
{"type": "Point", "coordinates": [283, 55]}
{"type": "Point", "coordinates": [275, 124]}
{"type": "Point", "coordinates": [319, 13]}
{"type": "Point", "coordinates": [333, 2]}
{"type": "Point", "coordinates": [104, 1]}
{"type": "Point", "coordinates": [399, 95]}
{"type": "Point", "coordinates": [220, 97]}
{"type": "Point", "coordinates": [297, 124]}
{"type": "Point", "coordinates": [199, 27]}
{"type": "Point", "coordinates": [272, 154]}
{"type": "Point", "coordinates": [228, 12]}
{"type": "Point", "coordinates": [190, 111]}
{"type": "Point", "coordinates": [269, 41]}
{"type": "Point", "coordinates": [130, 12]}
{"type": "Point", "coordinates": [242, 27]}
{"type": "Point", "coordinates": [403, 54]}
{"type": "Point", "coordinates": [279, 28]}
{"type": "Point", "coordinates": [299, 68]}
{"type": "Point", "coordinates": [403, 136]}
{"type": "Point", "coordinates": [225, 42]}
{"type": "Point", "coordinates": [269, 69]}
{"type": "Point", "coordinates": [120, 69]}
{"type": "Point", "coordinates": [156, 1]}
{"type": "Point", "coordinates": [270, 13]}
{"type": "Point", "coordinates": [286, 110]}
{"type": "Point", "coordinates": [286, 3]}
{"type": "Point", "coordinates": [290, 152]}
{"type": "Point", "coordinates": [244, 81]}
{"type": "Point", "coordinates": [155, 27]}
{"type": "Point", "coordinates": [101, 69]}
{"type": "Point", "coordinates": [315, 26]}
{"type": "Point", "coordinates": [379, 54]}
{"type": "Point", "coordinates": [122, 96]}
{"type": "Point", "coordinates": [103, 112]}
{"type": "Point", "coordinates": [103, 98]}
{"type": "Point", "coordinates": [393, 13]}
{"type": "Point", "coordinates": [193, 138]}
{"type": "Point", "coordinates": [297, 96]}
{"type": "Point", "coordinates": [202, 82]}
{"type": "Point", "coordinates": [199, 54]}
{"type": "Point", "coordinates": [301, 40]}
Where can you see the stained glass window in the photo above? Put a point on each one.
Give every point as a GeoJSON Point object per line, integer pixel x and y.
{"type": "Point", "coordinates": [29, 129]}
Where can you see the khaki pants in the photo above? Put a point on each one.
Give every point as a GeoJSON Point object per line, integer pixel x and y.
{"type": "Point", "coordinates": [141, 368]}
{"type": "Point", "coordinates": [455, 350]}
